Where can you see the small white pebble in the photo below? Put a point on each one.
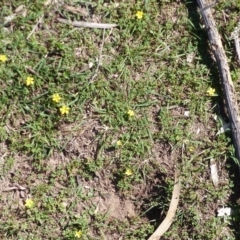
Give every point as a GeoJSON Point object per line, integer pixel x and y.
{"type": "Point", "coordinates": [224, 212]}
{"type": "Point", "coordinates": [224, 128]}
{"type": "Point", "coordinates": [64, 204]}
{"type": "Point", "coordinates": [214, 172]}
{"type": "Point", "coordinates": [90, 64]}
{"type": "Point", "coordinates": [198, 131]}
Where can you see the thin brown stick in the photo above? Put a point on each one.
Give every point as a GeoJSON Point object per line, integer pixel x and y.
{"type": "Point", "coordinates": [226, 80]}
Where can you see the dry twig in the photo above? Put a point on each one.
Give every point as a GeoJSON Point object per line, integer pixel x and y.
{"type": "Point", "coordinates": [87, 24]}
{"type": "Point", "coordinates": [237, 47]}
{"type": "Point", "coordinates": [235, 36]}
{"type": "Point", "coordinates": [226, 80]}
{"type": "Point", "coordinates": [164, 226]}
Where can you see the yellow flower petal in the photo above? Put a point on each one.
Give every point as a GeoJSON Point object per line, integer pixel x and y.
{"type": "Point", "coordinates": [139, 14]}
{"type": "Point", "coordinates": [29, 203]}
{"type": "Point", "coordinates": [64, 109]}
{"type": "Point", "coordinates": [119, 143]}
{"type": "Point", "coordinates": [78, 234]}
{"type": "Point", "coordinates": [29, 81]}
{"type": "Point", "coordinates": [191, 149]}
{"type": "Point", "coordinates": [128, 172]}
{"type": "Point", "coordinates": [3, 58]}
{"type": "Point", "coordinates": [56, 98]}
{"type": "Point", "coordinates": [211, 91]}
{"type": "Point", "coordinates": [131, 113]}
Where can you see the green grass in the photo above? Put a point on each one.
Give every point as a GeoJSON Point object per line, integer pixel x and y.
{"type": "Point", "coordinates": [70, 165]}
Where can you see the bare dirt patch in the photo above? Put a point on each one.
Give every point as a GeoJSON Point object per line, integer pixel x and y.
{"type": "Point", "coordinates": [80, 141]}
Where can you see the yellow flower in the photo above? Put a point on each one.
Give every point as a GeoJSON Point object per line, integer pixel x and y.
{"type": "Point", "coordinates": [119, 143]}
{"type": "Point", "coordinates": [211, 91]}
{"type": "Point", "coordinates": [131, 113]}
{"type": "Point", "coordinates": [3, 58]}
{"type": "Point", "coordinates": [64, 109]}
{"type": "Point", "coordinates": [29, 81]}
{"type": "Point", "coordinates": [128, 172]}
{"type": "Point", "coordinates": [139, 14]}
{"type": "Point", "coordinates": [191, 149]}
{"type": "Point", "coordinates": [56, 98]}
{"type": "Point", "coordinates": [78, 234]}
{"type": "Point", "coordinates": [29, 203]}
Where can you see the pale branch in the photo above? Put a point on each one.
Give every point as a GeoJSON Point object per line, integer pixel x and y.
{"type": "Point", "coordinates": [235, 36]}
{"type": "Point", "coordinates": [166, 223]}
{"type": "Point", "coordinates": [224, 71]}
{"type": "Point", "coordinates": [87, 24]}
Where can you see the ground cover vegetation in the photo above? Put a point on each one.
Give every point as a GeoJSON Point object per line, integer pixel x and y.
{"type": "Point", "coordinates": [94, 122]}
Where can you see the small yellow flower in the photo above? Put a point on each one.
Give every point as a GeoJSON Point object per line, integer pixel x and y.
{"type": "Point", "coordinates": [128, 172]}
{"type": "Point", "coordinates": [29, 81]}
{"type": "Point", "coordinates": [78, 234]}
{"type": "Point", "coordinates": [131, 113]}
{"type": "Point", "coordinates": [29, 203]}
{"type": "Point", "coordinates": [191, 149]}
{"type": "Point", "coordinates": [211, 91]}
{"type": "Point", "coordinates": [139, 14]}
{"type": "Point", "coordinates": [119, 143]}
{"type": "Point", "coordinates": [56, 98]}
{"type": "Point", "coordinates": [64, 109]}
{"type": "Point", "coordinates": [3, 58]}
